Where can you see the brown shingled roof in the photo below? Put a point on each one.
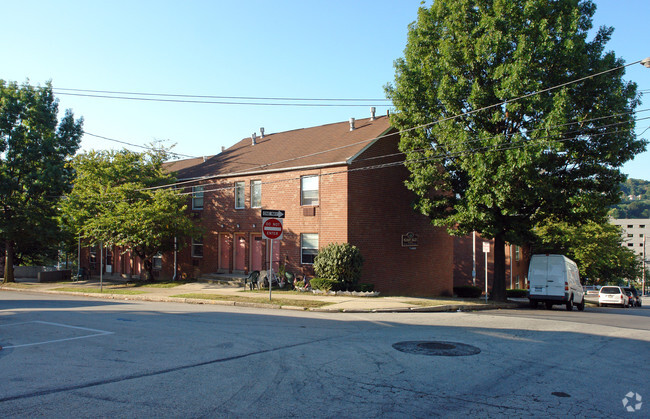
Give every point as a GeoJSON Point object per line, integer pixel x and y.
{"type": "Point", "coordinates": [308, 147]}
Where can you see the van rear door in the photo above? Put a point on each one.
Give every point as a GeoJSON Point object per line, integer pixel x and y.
{"type": "Point", "coordinates": [555, 281]}
{"type": "Point", "coordinates": [537, 274]}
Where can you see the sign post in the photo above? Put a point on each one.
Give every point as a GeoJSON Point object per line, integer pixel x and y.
{"type": "Point", "coordinates": [272, 229]}
{"type": "Point", "coordinates": [486, 250]}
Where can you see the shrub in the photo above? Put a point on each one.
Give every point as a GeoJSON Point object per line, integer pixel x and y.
{"type": "Point", "coordinates": [516, 293]}
{"type": "Point", "coordinates": [467, 291]}
{"type": "Point", "coordinates": [325, 284]}
{"type": "Point", "coordinates": [340, 262]}
{"type": "Point", "coordinates": [364, 287]}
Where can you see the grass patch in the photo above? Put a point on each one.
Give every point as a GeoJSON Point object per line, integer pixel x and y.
{"type": "Point", "coordinates": [258, 300]}
{"type": "Point", "coordinates": [93, 290]}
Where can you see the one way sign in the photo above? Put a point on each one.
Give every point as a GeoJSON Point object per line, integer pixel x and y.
{"type": "Point", "coordinates": [272, 213]}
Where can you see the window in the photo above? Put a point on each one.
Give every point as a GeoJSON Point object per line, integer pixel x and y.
{"type": "Point", "coordinates": [197, 197]}
{"type": "Point", "coordinates": [630, 244]}
{"type": "Point", "coordinates": [517, 253]}
{"type": "Point", "coordinates": [256, 193]}
{"type": "Point", "coordinates": [309, 190]}
{"type": "Point", "coordinates": [240, 195]}
{"type": "Point", "coordinates": [308, 248]}
{"type": "Point", "coordinates": [641, 235]}
{"type": "Point", "coordinates": [642, 226]}
{"type": "Point", "coordinates": [157, 261]}
{"type": "Point", "coordinates": [630, 235]}
{"type": "Point", "coordinates": [630, 226]}
{"type": "Point", "coordinates": [197, 248]}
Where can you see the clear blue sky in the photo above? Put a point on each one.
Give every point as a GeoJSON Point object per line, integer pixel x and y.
{"type": "Point", "coordinates": [292, 49]}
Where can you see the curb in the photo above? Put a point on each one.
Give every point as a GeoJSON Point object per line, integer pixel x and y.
{"type": "Point", "coordinates": [415, 309]}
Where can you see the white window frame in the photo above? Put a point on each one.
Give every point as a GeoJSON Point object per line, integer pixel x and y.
{"type": "Point", "coordinates": [310, 250]}
{"type": "Point", "coordinates": [256, 191]}
{"type": "Point", "coordinates": [196, 245]}
{"type": "Point", "coordinates": [240, 188]}
{"type": "Point", "coordinates": [309, 181]}
{"type": "Point", "coordinates": [198, 196]}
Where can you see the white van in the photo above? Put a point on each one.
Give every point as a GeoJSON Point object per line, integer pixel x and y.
{"type": "Point", "coordinates": [554, 279]}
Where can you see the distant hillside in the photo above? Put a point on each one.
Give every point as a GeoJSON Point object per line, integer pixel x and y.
{"type": "Point", "coordinates": [635, 200]}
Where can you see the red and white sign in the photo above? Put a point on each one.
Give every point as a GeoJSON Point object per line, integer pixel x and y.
{"type": "Point", "coordinates": [272, 228]}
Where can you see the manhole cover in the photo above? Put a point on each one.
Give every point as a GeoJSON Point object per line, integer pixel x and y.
{"type": "Point", "coordinates": [433, 348]}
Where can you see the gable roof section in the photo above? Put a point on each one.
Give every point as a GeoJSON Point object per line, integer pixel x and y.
{"type": "Point", "coordinates": [325, 145]}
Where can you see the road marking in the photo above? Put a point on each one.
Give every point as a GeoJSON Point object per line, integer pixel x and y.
{"type": "Point", "coordinates": [95, 333]}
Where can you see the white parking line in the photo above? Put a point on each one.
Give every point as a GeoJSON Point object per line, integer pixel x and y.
{"type": "Point", "coordinates": [96, 333]}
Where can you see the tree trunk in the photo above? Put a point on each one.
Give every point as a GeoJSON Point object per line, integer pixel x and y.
{"type": "Point", "coordinates": [9, 262]}
{"type": "Point", "coordinates": [499, 279]}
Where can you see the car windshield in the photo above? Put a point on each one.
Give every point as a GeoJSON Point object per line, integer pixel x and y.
{"type": "Point", "coordinates": [610, 290]}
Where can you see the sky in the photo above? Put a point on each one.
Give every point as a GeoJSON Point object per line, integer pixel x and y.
{"type": "Point", "coordinates": [229, 50]}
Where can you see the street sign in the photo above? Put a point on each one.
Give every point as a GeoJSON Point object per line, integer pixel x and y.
{"type": "Point", "coordinates": [272, 213]}
{"type": "Point", "coordinates": [272, 228]}
{"type": "Point", "coordinates": [486, 247]}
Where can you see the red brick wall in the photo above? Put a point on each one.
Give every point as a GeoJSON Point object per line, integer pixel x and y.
{"type": "Point", "coordinates": [380, 209]}
{"type": "Point", "coordinates": [463, 263]}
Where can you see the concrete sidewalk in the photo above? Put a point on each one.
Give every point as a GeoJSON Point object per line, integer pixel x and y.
{"type": "Point", "coordinates": [246, 298]}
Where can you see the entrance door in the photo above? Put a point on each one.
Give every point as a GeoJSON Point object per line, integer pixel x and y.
{"type": "Point", "coordinates": [225, 250]}
{"type": "Point", "coordinates": [257, 251]}
{"type": "Point", "coordinates": [240, 252]}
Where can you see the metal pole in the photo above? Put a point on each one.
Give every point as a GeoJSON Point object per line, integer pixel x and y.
{"type": "Point", "coordinates": [473, 258]}
{"type": "Point", "coordinates": [486, 277]}
{"type": "Point", "coordinates": [643, 277]}
{"type": "Point", "coordinates": [270, 268]}
{"type": "Point", "coordinates": [101, 267]}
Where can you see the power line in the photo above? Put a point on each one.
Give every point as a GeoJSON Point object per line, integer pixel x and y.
{"type": "Point", "coordinates": [136, 145]}
{"type": "Point", "coordinates": [223, 97]}
{"type": "Point", "coordinates": [212, 102]}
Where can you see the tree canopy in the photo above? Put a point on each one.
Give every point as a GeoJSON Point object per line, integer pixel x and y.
{"type": "Point", "coordinates": [119, 199]}
{"type": "Point", "coordinates": [596, 247]}
{"type": "Point", "coordinates": [35, 154]}
{"type": "Point", "coordinates": [498, 135]}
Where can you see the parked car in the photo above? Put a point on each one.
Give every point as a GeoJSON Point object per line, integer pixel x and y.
{"type": "Point", "coordinates": [633, 295]}
{"type": "Point", "coordinates": [554, 279]}
{"type": "Point", "coordinates": [591, 289]}
{"type": "Point", "coordinates": [613, 295]}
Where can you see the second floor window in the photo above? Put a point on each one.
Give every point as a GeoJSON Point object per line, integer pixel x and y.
{"type": "Point", "coordinates": [309, 190]}
{"type": "Point", "coordinates": [256, 193]}
{"type": "Point", "coordinates": [239, 194]}
{"type": "Point", "coordinates": [197, 197]}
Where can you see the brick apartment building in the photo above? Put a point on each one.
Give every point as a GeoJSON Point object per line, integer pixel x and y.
{"type": "Point", "coordinates": [337, 183]}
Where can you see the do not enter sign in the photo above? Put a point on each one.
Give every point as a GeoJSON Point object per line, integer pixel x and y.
{"type": "Point", "coordinates": [272, 228]}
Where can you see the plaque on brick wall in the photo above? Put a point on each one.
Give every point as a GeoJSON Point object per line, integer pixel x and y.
{"type": "Point", "coordinates": [409, 240]}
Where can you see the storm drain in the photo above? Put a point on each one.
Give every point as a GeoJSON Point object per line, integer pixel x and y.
{"type": "Point", "coordinates": [433, 348]}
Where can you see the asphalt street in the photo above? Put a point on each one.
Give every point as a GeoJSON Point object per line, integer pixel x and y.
{"type": "Point", "coordinates": [66, 356]}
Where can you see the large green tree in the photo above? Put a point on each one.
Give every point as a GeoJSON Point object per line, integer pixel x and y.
{"type": "Point", "coordinates": [119, 198]}
{"type": "Point", "coordinates": [35, 152]}
{"type": "Point", "coordinates": [489, 145]}
{"type": "Point", "coordinates": [596, 247]}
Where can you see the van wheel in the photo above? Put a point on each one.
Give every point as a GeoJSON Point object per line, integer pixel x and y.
{"type": "Point", "coordinates": [581, 306]}
{"type": "Point", "coordinates": [533, 304]}
{"type": "Point", "coordinates": [549, 306]}
{"type": "Point", "coordinates": [569, 305]}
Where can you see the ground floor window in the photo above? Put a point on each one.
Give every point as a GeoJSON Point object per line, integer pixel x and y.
{"type": "Point", "coordinates": [308, 247]}
{"type": "Point", "coordinates": [197, 248]}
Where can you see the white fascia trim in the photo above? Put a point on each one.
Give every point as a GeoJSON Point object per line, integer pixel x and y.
{"type": "Point", "coordinates": [261, 172]}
